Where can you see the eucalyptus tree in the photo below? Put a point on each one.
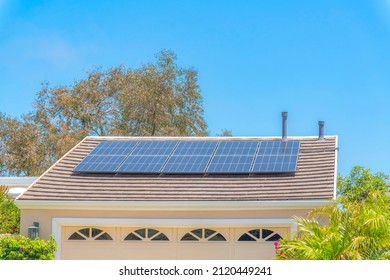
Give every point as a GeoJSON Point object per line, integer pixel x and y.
{"type": "Point", "coordinates": [159, 98]}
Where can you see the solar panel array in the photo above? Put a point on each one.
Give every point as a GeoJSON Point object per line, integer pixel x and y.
{"type": "Point", "coordinates": [192, 157]}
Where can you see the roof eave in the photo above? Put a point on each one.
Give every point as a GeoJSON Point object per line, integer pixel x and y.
{"type": "Point", "coordinates": [172, 205]}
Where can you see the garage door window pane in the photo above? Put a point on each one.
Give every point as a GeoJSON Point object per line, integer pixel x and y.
{"type": "Point", "coordinates": [254, 235]}
{"type": "Point", "coordinates": [198, 232]}
{"type": "Point", "coordinates": [160, 237]}
{"type": "Point", "coordinates": [96, 231]}
{"type": "Point", "coordinates": [217, 237]}
{"type": "Point", "coordinates": [208, 232]}
{"type": "Point", "coordinates": [274, 237]}
{"type": "Point", "coordinates": [266, 232]}
{"type": "Point", "coordinates": [90, 234]}
{"type": "Point", "coordinates": [132, 236]}
{"type": "Point", "coordinates": [141, 232]}
{"type": "Point", "coordinates": [152, 232]}
{"type": "Point", "coordinates": [85, 231]}
{"type": "Point", "coordinates": [189, 237]}
{"type": "Point", "coordinates": [76, 236]}
{"type": "Point", "coordinates": [246, 237]}
{"type": "Point", "coordinates": [104, 236]}
{"type": "Point", "coordinates": [203, 235]}
{"type": "Point", "coordinates": [152, 235]}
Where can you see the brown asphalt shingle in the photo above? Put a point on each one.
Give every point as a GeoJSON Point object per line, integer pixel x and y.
{"type": "Point", "coordinates": [314, 179]}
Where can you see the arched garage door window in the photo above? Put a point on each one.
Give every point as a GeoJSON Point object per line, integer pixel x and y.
{"type": "Point", "coordinates": [146, 234]}
{"type": "Point", "coordinates": [203, 235]}
{"type": "Point", "coordinates": [260, 235]}
{"type": "Point", "coordinates": [90, 234]}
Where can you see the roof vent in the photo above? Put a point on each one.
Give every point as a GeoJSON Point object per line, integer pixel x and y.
{"type": "Point", "coordinates": [284, 129]}
{"type": "Point", "coordinates": [321, 131]}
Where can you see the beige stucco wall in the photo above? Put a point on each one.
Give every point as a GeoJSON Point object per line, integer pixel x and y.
{"type": "Point", "coordinates": [44, 217]}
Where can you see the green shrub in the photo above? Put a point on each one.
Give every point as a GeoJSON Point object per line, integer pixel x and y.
{"type": "Point", "coordinates": [358, 225]}
{"type": "Point", "coordinates": [23, 248]}
{"type": "Point", "coordinates": [9, 213]}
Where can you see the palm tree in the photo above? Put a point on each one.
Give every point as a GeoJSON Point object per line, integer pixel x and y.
{"type": "Point", "coordinates": [349, 229]}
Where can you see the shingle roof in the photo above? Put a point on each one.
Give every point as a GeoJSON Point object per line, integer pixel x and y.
{"type": "Point", "coordinates": [314, 179]}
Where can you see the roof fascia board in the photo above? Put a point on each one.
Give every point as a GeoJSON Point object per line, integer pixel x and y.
{"type": "Point", "coordinates": [171, 205]}
{"type": "Point", "coordinates": [335, 167]}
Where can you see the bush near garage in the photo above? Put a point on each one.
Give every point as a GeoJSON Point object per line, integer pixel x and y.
{"type": "Point", "coordinates": [358, 223]}
{"type": "Point", "coordinates": [9, 213]}
{"type": "Point", "coordinates": [23, 248]}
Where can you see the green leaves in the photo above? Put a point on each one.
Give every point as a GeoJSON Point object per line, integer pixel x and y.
{"type": "Point", "coordinates": [156, 99]}
{"type": "Point", "coordinates": [9, 213]}
{"type": "Point", "coordinates": [357, 226]}
{"type": "Point", "coordinates": [23, 248]}
{"type": "Point", "coordinates": [360, 183]}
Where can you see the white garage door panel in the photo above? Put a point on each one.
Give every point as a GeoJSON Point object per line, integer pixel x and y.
{"type": "Point", "coordinates": [88, 252]}
{"type": "Point", "coordinates": [203, 251]}
{"type": "Point", "coordinates": [90, 243]}
{"type": "Point", "coordinates": [250, 252]}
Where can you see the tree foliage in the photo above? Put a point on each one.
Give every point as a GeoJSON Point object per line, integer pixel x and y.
{"type": "Point", "coordinates": [357, 227]}
{"type": "Point", "coordinates": [225, 133]}
{"type": "Point", "coordinates": [23, 248]}
{"type": "Point", "coordinates": [156, 99]}
{"type": "Point", "coordinates": [9, 213]}
{"type": "Point", "coordinates": [360, 183]}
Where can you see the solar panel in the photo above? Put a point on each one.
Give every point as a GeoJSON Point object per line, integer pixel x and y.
{"type": "Point", "coordinates": [148, 157]}
{"type": "Point", "coordinates": [106, 156]}
{"type": "Point", "coordinates": [276, 156]}
{"type": "Point", "coordinates": [99, 164]}
{"type": "Point", "coordinates": [121, 148]}
{"type": "Point", "coordinates": [190, 157]}
{"type": "Point", "coordinates": [202, 156]}
{"type": "Point", "coordinates": [233, 157]}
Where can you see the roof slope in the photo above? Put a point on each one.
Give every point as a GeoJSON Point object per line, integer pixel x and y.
{"type": "Point", "coordinates": [314, 179]}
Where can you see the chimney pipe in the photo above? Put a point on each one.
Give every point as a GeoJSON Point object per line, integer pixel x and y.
{"type": "Point", "coordinates": [321, 131]}
{"type": "Point", "coordinates": [284, 129]}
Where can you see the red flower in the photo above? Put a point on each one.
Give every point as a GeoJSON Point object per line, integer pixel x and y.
{"type": "Point", "coordinates": [276, 245]}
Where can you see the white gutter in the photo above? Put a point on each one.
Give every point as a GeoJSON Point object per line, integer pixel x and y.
{"type": "Point", "coordinates": [171, 205]}
{"type": "Point", "coordinates": [335, 167]}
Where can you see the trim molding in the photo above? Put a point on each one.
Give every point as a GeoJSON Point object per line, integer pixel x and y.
{"type": "Point", "coordinates": [59, 223]}
{"type": "Point", "coordinates": [335, 167]}
{"type": "Point", "coordinates": [171, 205]}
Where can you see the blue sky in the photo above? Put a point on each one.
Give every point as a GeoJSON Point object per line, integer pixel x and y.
{"type": "Point", "coordinates": [318, 60]}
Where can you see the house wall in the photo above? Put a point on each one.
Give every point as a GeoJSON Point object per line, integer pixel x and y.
{"type": "Point", "coordinates": [44, 217]}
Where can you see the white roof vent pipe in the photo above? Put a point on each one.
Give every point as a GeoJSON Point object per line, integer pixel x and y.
{"type": "Point", "coordinates": [321, 125]}
{"type": "Point", "coordinates": [284, 127]}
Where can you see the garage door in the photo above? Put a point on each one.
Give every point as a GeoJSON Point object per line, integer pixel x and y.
{"type": "Point", "coordinates": [91, 242]}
